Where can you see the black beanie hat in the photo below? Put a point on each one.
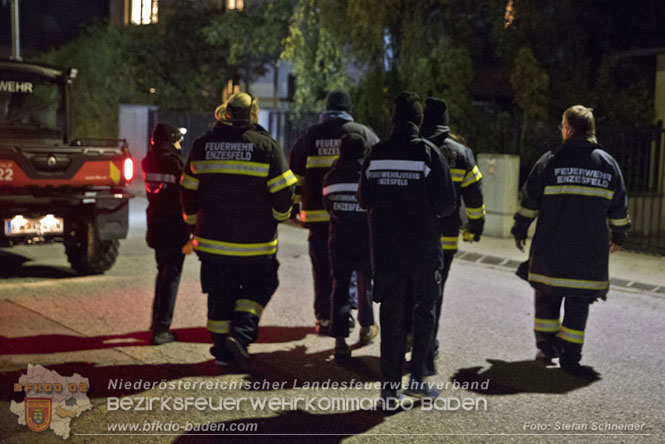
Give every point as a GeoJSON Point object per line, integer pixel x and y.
{"type": "Point", "coordinates": [436, 112]}
{"type": "Point", "coordinates": [352, 147]}
{"type": "Point", "coordinates": [339, 100]}
{"type": "Point", "coordinates": [408, 108]}
{"type": "Point", "coordinates": [166, 133]}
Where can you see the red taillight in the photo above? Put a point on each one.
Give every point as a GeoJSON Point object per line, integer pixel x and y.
{"type": "Point", "coordinates": [128, 169]}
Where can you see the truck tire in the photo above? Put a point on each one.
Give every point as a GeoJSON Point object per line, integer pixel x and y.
{"type": "Point", "coordinates": [87, 253]}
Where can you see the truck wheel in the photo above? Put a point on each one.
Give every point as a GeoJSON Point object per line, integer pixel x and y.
{"type": "Point", "coordinates": [87, 254]}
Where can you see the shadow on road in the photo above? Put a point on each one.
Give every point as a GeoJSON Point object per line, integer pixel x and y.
{"type": "Point", "coordinates": [311, 368]}
{"type": "Point", "coordinates": [15, 265]}
{"type": "Point", "coordinates": [292, 427]}
{"type": "Point", "coordinates": [510, 378]}
{"type": "Point", "coordinates": [67, 343]}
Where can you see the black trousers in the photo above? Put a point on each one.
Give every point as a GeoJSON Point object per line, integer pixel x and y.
{"type": "Point", "coordinates": [402, 296]}
{"type": "Point", "coordinates": [237, 294]}
{"type": "Point", "coordinates": [318, 253]}
{"type": "Point", "coordinates": [430, 367]}
{"type": "Point", "coordinates": [341, 302]}
{"type": "Point", "coordinates": [563, 338]}
{"type": "Point", "coordinates": [169, 269]}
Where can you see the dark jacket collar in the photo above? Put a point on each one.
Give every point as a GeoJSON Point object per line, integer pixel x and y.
{"type": "Point", "coordinates": [335, 114]}
{"type": "Point", "coordinates": [579, 141]}
{"type": "Point", "coordinates": [237, 126]}
{"type": "Point", "coordinates": [405, 129]}
{"type": "Point", "coordinates": [436, 133]}
{"type": "Point", "coordinates": [164, 149]}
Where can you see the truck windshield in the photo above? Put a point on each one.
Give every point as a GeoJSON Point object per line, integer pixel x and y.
{"type": "Point", "coordinates": [31, 105]}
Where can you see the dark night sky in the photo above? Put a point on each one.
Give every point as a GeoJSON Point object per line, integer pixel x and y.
{"type": "Point", "coordinates": [50, 23]}
{"type": "Point", "coordinates": [638, 24]}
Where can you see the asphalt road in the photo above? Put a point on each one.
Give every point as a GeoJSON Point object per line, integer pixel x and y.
{"type": "Point", "coordinates": [98, 327]}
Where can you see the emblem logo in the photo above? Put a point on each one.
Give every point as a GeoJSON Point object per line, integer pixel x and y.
{"type": "Point", "coordinates": [51, 161]}
{"type": "Point", "coordinates": [38, 413]}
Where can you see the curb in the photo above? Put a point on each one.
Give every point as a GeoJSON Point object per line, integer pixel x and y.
{"type": "Point", "coordinates": [511, 265]}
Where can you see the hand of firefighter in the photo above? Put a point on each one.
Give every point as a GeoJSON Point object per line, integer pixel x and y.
{"type": "Point", "coordinates": [614, 247]}
{"type": "Point", "coordinates": [188, 248]}
{"type": "Point", "coordinates": [520, 243]}
{"type": "Point", "coordinates": [468, 236]}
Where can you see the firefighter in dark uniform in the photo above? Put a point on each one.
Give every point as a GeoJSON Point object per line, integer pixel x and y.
{"type": "Point", "coordinates": [575, 191]}
{"type": "Point", "coordinates": [348, 245]}
{"type": "Point", "coordinates": [467, 180]}
{"type": "Point", "coordinates": [167, 233]}
{"type": "Point", "coordinates": [310, 159]}
{"type": "Point", "coordinates": [406, 185]}
{"type": "Point", "coordinates": [235, 189]}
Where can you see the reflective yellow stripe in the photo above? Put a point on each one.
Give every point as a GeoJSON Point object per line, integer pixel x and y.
{"type": "Point", "coordinates": [320, 161]}
{"type": "Point", "coordinates": [314, 216]}
{"type": "Point", "coordinates": [570, 335]}
{"type": "Point", "coordinates": [449, 243]}
{"type": "Point", "coordinates": [234, 249]}
{"type": "Point", "coordinates": [457, 175]}
{"type": "Point", "coordinates": [231, 167]}
{"type": "Point", "coordinates": [281, 216]}
{"type": "Point", "coordinates": [472, 177]}
{"type": "Point", "coordinates": [579, 191]}
{"type": "Point", "coordinates": [189, 182]}
{"type": "Point", "coordinates": [190, 219]}
{"type": "Point", "coordinates": [530, 214]}
{"type": "Point", "coordinates": [620, 222]}
{"type": "Point", "coordinates": [475, 213]}
{"type": "Point", "coordinates": [249, 306]}
{"type": "Point", "coordinates": [220, 327]}
{"type": "Point", "coordinates": [282, 181]}
{"type": "Point", "coordinates": [546, 325]}
{"type": "Point", "coordinates": [301, 180]}
{"type": "Point", "coordinates": [569, 283]}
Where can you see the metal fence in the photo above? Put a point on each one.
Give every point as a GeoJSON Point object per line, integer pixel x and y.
{"type": "Point", "coordinates": [196, 124]}
{"type": "Point", "coordinates": [640, 153]}
{"type": "Point", "coordinates": [278, 124]}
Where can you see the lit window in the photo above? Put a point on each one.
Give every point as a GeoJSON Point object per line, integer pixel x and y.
{"type": "Point", "coordinates": [235, 4]}
{"type": "Point", "coordinates": [144, 12]}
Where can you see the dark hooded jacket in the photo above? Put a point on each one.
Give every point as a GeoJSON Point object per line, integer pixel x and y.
{"type": "Point", "coordinates": [349, 231]}
{"type": "Point", "coordinates": [162, 168]}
